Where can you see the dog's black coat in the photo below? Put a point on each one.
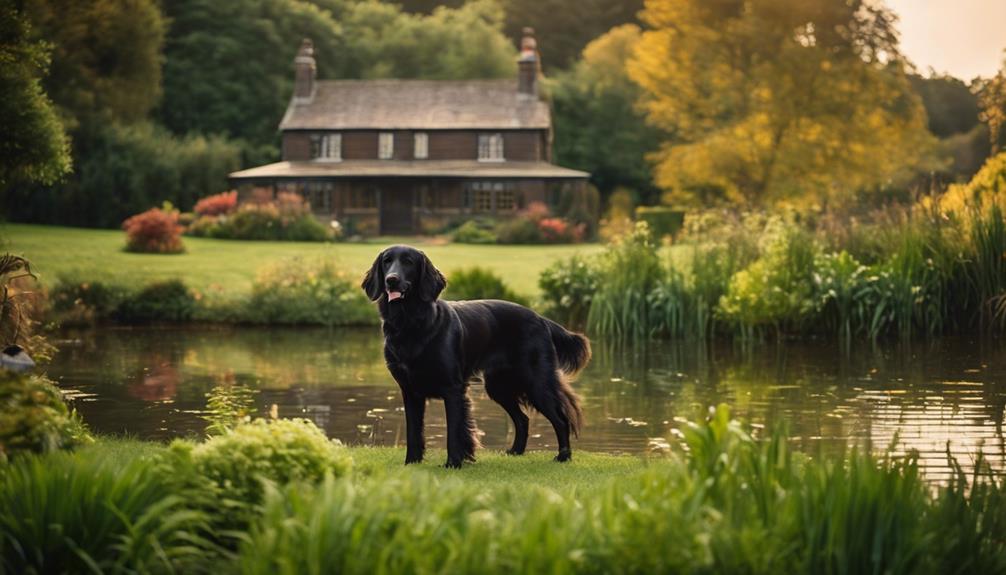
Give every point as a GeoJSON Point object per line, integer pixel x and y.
{"type": "Point", "coordinates": [433, 347]}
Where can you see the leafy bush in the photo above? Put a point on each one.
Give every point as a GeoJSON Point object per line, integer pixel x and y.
{"type": "Point", "coordinates": [34, 418]}
{"type": "Point", "coordinates": [154, 231]}
{"type": "Point", "coordinates": [479, 283]}
{"type": "Point", "coordinates": [471, 232]}
{"type": "Point", "coordinates": [304, 292]}
{"type": "Point", "coordinates": [233, 465]}
{"type": "Point", "coordinates": [568, 287]}
{"type": "Point", "coordinates": [169, 301]}
{"type": "Point", "coordinates": [663, 221]}
{"type": "Point", "coordinates": [286, 218]}
{"type": "Point", "coordinates": [535, 225]}
{"type": "Point", "coordinates": [218, 204]}
{"type": "Point", "coordinates": [93, 512]}
{"type": "Point", "coordinates": [776, 290]}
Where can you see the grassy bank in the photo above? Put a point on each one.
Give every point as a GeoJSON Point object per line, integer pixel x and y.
{"type": "Point", "coordinates": [229, 267]}
{"type": "Point", "coordinates": [724, 503]}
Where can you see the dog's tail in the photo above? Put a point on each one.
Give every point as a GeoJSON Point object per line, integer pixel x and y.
{"type": "Point", "coordinates": [573, 352]}
{"type": "Point", "coordinates": [572, 349]}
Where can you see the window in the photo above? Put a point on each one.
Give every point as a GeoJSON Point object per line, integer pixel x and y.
{"type": "Point", "coordinates": [490, 197]}
{"type": "Point", "coordinates": [385, 145]}
{"type": "Point", "coordinates": [361, 198]}
{"type": "Point", "coordinates": [421, 146]}
{"type": "Point", "coordinates": [327, 147]}
{"type": "Point", "coordinates": [490, 147]}
{"type": "Point", "coordinates": [505, 200]}
{"type": "Point", "coordinates": [319, 196]}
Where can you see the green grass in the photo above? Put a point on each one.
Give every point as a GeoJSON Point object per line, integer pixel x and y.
{"type": "Point", "coordinates": [229, 266]}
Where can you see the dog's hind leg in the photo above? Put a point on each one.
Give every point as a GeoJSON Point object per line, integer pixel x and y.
{"type": "Point", "coordinates": [500, 388]}
{"type": "Point", "coordinates": [544, 398]}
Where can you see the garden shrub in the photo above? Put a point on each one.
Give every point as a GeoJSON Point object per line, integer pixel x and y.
{"type": "Point", "coordinates": [568, 288]}
{"type": "Point", "coordinates": [479, 283]}
{"type": "Point", "coordinates": [288, 217]}
{"type": "Point", "coordinates": [34, 417]}
{"type": "Point", "coordinates": [777, 289]}
{"type": "Point", "coordinates": [218, 204]}
{"type": "Point", "coordinates": [232, 466]}
{"type": "Point", "coordinates": [97, 512]}
{"type": "Point", "coordinates": [518, 230]}
{"type": "Point", "coordinates": [471, 232]}
{"type": "Point", "coordinates": [169, 301]}
{"type": "Point", "coordinates": [663, 221]}
{"type": "Point", "coordinates": [154, 231]}
{"type": "Point", "coordinates": [307, 292]}
{"type": "Point", "coordinates": [536, 225]}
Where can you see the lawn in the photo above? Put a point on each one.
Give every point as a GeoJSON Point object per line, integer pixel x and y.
{"type": "Point", "coordinates": [228, 266]}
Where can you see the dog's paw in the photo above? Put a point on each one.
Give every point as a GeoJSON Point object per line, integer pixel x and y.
{"type": "Point", "coordinates": [453, 464]}
{"type": "Point", "coordinates": [411, 460]}
{"type": "Point", "coordinates": [564, 456]}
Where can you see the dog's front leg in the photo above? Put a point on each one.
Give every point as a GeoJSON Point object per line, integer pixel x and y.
{"type": "Point", "coordinates": [460, 428]}
{"type": "Point", "coordinates": [415, 410]}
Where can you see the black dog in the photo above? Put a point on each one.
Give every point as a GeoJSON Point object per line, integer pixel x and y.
{"type": "Point", "coordinates": [433, 347]}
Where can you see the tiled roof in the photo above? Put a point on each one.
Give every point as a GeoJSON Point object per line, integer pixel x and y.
{"type": "Point", "coordinates": [416, 105]}
{"type": "Point", "coordinates": [414, 168]}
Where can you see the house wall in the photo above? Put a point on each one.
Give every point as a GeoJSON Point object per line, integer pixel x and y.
{"type": "Point", "coordinates": [518, 145]}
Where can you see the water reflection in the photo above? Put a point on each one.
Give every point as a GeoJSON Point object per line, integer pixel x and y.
{"type": "Point", "coordinates": [152, 383]}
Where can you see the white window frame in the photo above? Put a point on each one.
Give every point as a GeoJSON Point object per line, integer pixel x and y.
{"type": "Point", "coordinates": [491, 147]}
{"type": "Point", "coordinates": [329, 147]}
{"type": "Point", "coordinates": [386, 145]}
{"type": "Point", "coordinates": [420, 145]}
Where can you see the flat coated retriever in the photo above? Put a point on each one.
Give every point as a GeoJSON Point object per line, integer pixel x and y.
{"type": "Point", "coordinates": [433, 347]}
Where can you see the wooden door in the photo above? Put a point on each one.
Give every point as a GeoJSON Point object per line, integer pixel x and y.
{"type": "Point", "coordinates": [397, 200]}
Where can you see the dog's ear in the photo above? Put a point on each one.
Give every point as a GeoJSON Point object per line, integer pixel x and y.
{"type": "Point", "coordinates": [431, 281]}
{"type": "Point", "coordinates": [373, 281]}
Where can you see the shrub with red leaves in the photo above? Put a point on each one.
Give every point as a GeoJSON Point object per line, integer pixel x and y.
{"type": "Point", "coordinates": [217, 204]}
{"type": "Point", "coordinates": [154, 231]}
{"type": "Point", "coordinates": [560, 231]}
{"type": "Point", "coordinates": [536, 211]}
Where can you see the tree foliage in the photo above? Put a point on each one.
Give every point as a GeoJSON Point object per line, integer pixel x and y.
{"type": "Point", "coordinates": [992, 99]}
{"type": "Point", "coordinates": [106, 57]}
{"type": "Point", "coordinates": [771, 101]}
{"type": "Point", "coordinates": [228, 65]}
{"type": "Point", "coordinates": [950, 105]}
{"type": "Point", "coordinates": [34, 147]}
{"type": "Point", "coordinates": [564, 28]}
{"type": "Point", "coordinates": [599, 126]}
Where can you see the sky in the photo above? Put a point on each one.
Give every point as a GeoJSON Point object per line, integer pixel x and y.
{"type": "Point", "coordinates": [964, 38]}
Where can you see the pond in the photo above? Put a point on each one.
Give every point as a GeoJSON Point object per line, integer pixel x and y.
{"type": "Point", "coordinates": [152, 383]}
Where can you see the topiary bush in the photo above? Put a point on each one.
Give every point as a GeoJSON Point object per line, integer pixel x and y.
{"type": "Point", "coordinates": [479, 283]}
{"type": "Point", "coordinates": [154, 231]}
{"type": "Point", "coordinates": [663, 221]}
{"type": "Point", "coordinates": [34, 418]}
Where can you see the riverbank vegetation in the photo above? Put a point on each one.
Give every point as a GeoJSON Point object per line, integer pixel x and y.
{"type": "Point", "coordinates": [926, 268]}
{"type": "Point", "coordinates": [292, 501]}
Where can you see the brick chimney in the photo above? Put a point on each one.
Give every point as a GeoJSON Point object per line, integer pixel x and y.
{"type": "Point", "coordinates": [528, 65]}
{"type": "Point", "coordinates": [303, 64]}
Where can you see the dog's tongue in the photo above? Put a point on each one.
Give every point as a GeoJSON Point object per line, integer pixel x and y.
{"type": "Point", "coordinates": [393, 295]}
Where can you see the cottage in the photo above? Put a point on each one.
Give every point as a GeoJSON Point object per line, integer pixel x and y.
{"type": "Point", "coordinates": [410, 156]}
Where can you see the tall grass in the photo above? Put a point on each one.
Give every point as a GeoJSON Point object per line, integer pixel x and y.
{"type": "Point", "coordinates": [93, 512]}
{"type": "Point", "coordinates": [627, 273]}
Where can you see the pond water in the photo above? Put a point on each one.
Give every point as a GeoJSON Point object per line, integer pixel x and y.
{"type": "Point", "coordinates": [152, 383]}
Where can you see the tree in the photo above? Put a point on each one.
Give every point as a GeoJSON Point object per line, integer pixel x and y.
{"type": "Point", "coordinates": [599, 127]}
{"type": "Point", "coordinates": [106, 58]}
{"type": "Point", "coordinates": [564, 27]}
{"type": "Point", "coordinates": [229, 65]}
{"type": "Point", "coordinates": [992, 99]}
{"type": "Point", "coordinates": [951, 107]}
{"type": "Point", "coordinates": [34, 147]}
{"type": "Point", "coordinates": [769, 101]}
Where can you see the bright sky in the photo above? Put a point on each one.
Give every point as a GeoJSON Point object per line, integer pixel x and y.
{"type": "Point", "coordinates": [965, 38]}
